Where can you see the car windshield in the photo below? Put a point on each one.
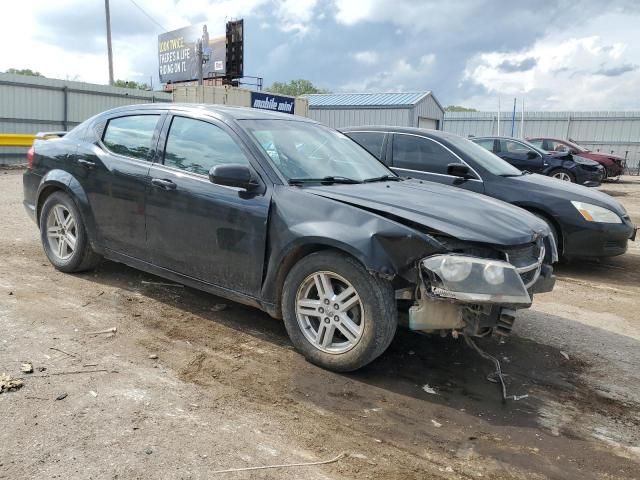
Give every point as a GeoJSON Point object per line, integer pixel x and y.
{"type": "Point", "coordinates": [305, 151]}
{"type": "Point", "coordinates": [483, 157]}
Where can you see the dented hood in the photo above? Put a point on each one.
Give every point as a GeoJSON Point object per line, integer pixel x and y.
{"type": "Point", "coordinates": [455, 212]}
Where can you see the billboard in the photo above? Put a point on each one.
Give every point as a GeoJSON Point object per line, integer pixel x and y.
{"type": "Point", "coordinates": [177, 58]}
{"type": "Point", "coordinates": [275, 103]}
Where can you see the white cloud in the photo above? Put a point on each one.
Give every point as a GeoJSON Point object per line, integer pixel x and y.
{"type": "Point", "coordinates": [366, 57]}
{"type": "Point", "coordinates": [296, 15]}
{"type": "Point", "coordinates": [574, 73]}
{"type": "Point", "coordinates": [397, 76]}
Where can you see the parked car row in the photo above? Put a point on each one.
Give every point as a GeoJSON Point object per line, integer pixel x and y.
{"type": "Point", "coordinates": [294, 218]}
{"type": "Point", "coordinates": [613, 165]}
{"type": "Point", "coordinates": [584, 222]}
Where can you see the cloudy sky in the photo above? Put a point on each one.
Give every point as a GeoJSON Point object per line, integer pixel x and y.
{"type": "Point", "coordinates": [556, 54]}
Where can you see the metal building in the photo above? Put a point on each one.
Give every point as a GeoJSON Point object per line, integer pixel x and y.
{"type": "Point", "coordinates": [607, 132]}
{"type": "Point", "coordinates": [414, 109]}
{"type": "Point", "coordinates": [32, 104]}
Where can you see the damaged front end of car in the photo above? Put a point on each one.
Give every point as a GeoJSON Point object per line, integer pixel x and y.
{"type": "Point", "coordinates": [476, 295]}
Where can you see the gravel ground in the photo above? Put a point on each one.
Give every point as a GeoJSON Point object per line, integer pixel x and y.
{"type": "Point", "coordinates": [183, 388]}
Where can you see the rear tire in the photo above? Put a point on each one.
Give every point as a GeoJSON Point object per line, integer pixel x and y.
{"type": "Point", "coordinates": [563, 174]}
{"type": "Point", "coordinates": [63, 235]}
{"type": "Point", "coordinates": [350, 336]}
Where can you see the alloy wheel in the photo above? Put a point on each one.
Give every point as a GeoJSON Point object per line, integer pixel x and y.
{"type": "Point", "coordinates": [330, 312]}
{"type": "Point", "coordinates": [62, 232]}
{"type": "Point", "coordinates": [562, 176]}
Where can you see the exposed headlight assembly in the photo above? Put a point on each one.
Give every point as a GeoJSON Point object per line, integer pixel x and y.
{"type": "Point", "coordinates": [594, 213]}
{"type": "Point", "coordinates": [475, 280]}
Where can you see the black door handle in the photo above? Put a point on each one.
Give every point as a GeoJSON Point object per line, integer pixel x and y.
{"type": "Point", "coordinates": [163, 183]}
{"type": "Point", "coordinates": [86, 163]}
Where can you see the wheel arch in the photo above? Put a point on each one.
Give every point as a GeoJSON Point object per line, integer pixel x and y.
{"type": "Point", "coordinates": [60, 180]}
{"type": "Point", "coordinates": [536, 210]}
{"type": "Point", "coordinates": [278, 270]}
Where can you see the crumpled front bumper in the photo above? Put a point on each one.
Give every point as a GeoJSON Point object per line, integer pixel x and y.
{"type": "Point", "coordinates": [438, 308]}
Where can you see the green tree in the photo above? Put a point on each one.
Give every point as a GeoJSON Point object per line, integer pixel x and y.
{"type": "Point", "coordinates": [458, 108]}
{"type": "Point", "coordinates": [131, 84]}
{"type": "Point", "coordinates": [24, 71]}
{"type": "Point", "coordinates": [295, 88]}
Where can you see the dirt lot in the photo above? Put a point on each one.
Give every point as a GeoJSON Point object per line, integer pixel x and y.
{"type": "Point", "coordinates": [228, 391]}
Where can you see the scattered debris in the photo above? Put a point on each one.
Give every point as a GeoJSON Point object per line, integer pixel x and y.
{"type": "Point", "coordinates": [100, 294]}
{"type": "Point", "coordinates": [108, 330]}
{"type": "Point", "coordinates": [29, 397]}
{"type": "Point", "coordinates": [218, 307]}
{"type": "Point", "coordinates": [41, 369]}
{"type": "Point", "coordinates": [153, 356]}
{"type": "Point", "coordinates": [148, 451]}
{"type": "Point", "coordinates": [377, 440]}
{"type": "Point", "coordinates": [10, 293]}
{"type": "Point", "coordinates": [284, 465]}
{"type": "Point", "coordinates": [564, 354]}
{"type": "Point", "coordinates": [162, 284]}
{"type": "Point", "coordinates": [62, 351]}
{"type": "Point", "coordinates": [436, 424]}
{"type": "Point", "coordinates": [428, 389]}
{"type": "Point", "coordinates": [8, 384]}
{"type": "Point", "coordinates": [26, 367]}
{"type": "Point", "coordinates": [94, 394]}
{"type": "Point", "coordinates": [411, 352]}
{"type": "Point", "coordinates": [90, 365]}
{"type": "Point", "coordinates": [62, 396]}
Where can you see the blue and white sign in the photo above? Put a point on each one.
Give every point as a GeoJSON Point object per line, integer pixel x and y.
{"type": "Point", "coordinates": [275, 103]}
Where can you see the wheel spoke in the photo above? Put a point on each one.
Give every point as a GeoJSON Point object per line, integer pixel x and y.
{"type": "Point", "coordinates": [58, 214]}
{"type": "Point", "coordinates": [329, 331]}
{"type": "Point", "coordinates": [348, 328]}
{"type": "Point", "coordinates": [323, 285]}
{"type": "Point", "coordinates": [54, 232]}
{"type": "Point", "coordinates": [69, 223]}
{"type": "Point", "coordinates": [347, 299]}
{"type": "Point", "coordinates": [62, 247]}
{"type": "Point", "coordinates": [71, 241]}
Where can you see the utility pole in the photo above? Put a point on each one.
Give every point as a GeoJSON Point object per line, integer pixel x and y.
{"type": "Point", "coordinates": [199, 61]}
{"type": "Point", "coordinates": [109, 51]}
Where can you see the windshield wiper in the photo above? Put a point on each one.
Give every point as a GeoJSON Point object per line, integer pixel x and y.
{"type": "Point", "coordinates": [383, 178]}
{"type": "Point", "coordinates": [327, 180]}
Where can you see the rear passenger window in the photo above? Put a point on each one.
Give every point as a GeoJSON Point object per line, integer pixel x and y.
{"type": "Point", "coordinates": [487, 144]}
{"type": "Point", "coordinates": [131, 136]}
{"type": "Point", "coordinates": [197, 146]}
{"type": "Point", "coordinates": [422, 154]}
{"type": "Point", "coordinates": [371, 141]}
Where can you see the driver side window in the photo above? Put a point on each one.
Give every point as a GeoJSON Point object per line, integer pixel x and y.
{"type": "Point", "coordinates": [197, 146]}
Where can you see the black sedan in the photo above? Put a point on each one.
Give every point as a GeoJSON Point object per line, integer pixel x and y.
{"type": "Point", "coordinates": [585, 222]}
{"type": "Point", "coordinates": [527, 157]}
{"type": "Point", "coordinates": [284, 214]}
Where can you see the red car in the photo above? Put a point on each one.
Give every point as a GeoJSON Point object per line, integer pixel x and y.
{"type": "Point", "coordinates": [613, 165]}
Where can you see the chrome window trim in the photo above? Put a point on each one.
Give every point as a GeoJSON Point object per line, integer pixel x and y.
{"type": "Point", "coordinates": [197, 176]}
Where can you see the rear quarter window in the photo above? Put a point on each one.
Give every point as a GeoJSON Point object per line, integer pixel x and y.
{"type": "Point", "coordinates": [131, 136]}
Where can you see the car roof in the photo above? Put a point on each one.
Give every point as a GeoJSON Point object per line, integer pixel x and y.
{"type": "Point", "coordinates": [556, 139]}
{"type": "Point", "coordinates": [424, 132]}
{"type": "Point", "coordinates": [228, 111]}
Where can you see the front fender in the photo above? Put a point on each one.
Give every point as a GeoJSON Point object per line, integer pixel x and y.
{"type": "Point", "coordinates": [299, 220]}
{"type": "Point", "coordinates": [62, 180]}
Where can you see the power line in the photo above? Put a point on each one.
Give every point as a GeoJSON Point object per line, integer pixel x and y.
{"type": "Point", "coordinates": [147, 15]}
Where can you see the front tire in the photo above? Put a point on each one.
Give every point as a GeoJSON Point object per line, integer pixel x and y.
{"type": "Point", "coordinates": [337, 314]}
{"type": "Point", "coordinates": [563, 174]}
{"type": "Point", "coordinates": [63, 235]}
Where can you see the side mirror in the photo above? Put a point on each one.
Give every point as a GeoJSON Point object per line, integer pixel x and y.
{"type": "Point", "coordinates": [531, 155]}
{"type": "Point", "coordinates": [458, 170]}
{"type": "Point", "coordinates": [233, 175]}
